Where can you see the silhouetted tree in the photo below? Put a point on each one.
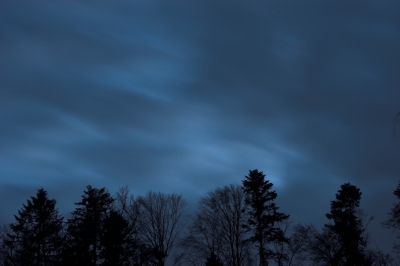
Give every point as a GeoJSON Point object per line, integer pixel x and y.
{"type": "Point", "coordinates": [116, 241]}
{"type": "Point", "coordinates": [348, 225]}
{"type": "Point", "coordinates": [7, 246]}
{"type": "Point", "coordinates": [213, 260]}
{"type": "Point", "coordinates": [217, 228]}
{"type": "Point", "coordinates": [394, 219]}
{"type": "Point", "coordinates": [342, 242]}
{"type": "Point", "coordinates": [129, 207]}
{"type": "Point", "coordinates": [288, 249]}
{"type": "Point", "coordinates": [86, 226]}
{"type": "Point", "coordinates": [202, 238]}
{"type": "Point", "coordinates": [264, 214]}
{"type": "Point", "coordinates": [320, 248]}
{"type": "Point", "coordinates": [161, 222]}
{"type": "Point", "coordinates": [294, 250]}
{"type": "Point", "coordinates": [35, 238]}
{"type": "Point", "coordinates": [380, 258]}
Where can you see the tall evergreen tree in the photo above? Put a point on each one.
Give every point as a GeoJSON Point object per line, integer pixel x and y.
{"type": "Point", "coordinates": [6, 249]}
{"type": "Point", "coordinates": [85, 228]}
{"type": "Point", "coordinates": [118, 245]}
{"type": "Point", "coordinates": [36, 236]}
{"type": "Point", "coordinates": [264, 215]}
{"type": "Point", "coordinates": [348, 226]}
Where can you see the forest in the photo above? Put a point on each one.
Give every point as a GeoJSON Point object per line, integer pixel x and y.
{"type": "Point", "coordinates": [234, 225]}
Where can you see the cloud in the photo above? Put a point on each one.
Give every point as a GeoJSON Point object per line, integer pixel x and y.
{"type": "Point", "coordinates": [187, 97]}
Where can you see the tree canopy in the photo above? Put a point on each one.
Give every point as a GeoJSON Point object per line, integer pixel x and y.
{"type": "Point", "coordinates": [263, 214]}
{"type": "Point", "coordinates": [36, 237]}
{"type": "Point", "coordinates": [234, 225]}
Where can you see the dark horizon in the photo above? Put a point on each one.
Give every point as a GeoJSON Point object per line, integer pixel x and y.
{"type": "Point", "coordinates": [120, 216]}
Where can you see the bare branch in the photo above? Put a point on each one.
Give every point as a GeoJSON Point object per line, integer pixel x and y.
{"type": "Point", "coordinates": [161, 221]}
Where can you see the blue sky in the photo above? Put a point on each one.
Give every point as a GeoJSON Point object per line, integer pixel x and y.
{"type": "Point", "coordinates": [188, 96]}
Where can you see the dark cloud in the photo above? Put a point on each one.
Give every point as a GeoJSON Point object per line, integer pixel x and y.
{"type": "Point", "coordinates": [187, 97]}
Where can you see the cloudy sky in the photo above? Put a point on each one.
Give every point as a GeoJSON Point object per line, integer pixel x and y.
{"type": "Point", "coordinates": [188, 96]}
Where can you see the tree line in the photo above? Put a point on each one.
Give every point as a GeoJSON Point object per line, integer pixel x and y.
{"type": "Point", "coordinates": [235, 225]}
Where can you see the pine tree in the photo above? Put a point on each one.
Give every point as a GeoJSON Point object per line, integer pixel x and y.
{"type": "Point", "coordinates": [116, 240]}
{"type": "Point", "coordinates": [348, 226]}
{"type": "Point", "coordinates": [85, 228]}
{"type": "Point", "coordinates": [264, 214]}
{"type": "Point", "coordinates": [36, 234]}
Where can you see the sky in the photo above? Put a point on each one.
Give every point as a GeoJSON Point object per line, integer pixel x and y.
{"type": "Point", "coordinates": [188, 96]}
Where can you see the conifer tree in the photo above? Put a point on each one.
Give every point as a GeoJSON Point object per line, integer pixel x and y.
{"type": "Point", "coordinates": [36, 236]}
{"type": "Point", "coordinates": [85, 228]}
{"type": "Point", "coordinates": [348, 226]}
{"type": "Point", "coordinates": [264, 215]}
{"type": "Point", "coordinates": [118, 245]}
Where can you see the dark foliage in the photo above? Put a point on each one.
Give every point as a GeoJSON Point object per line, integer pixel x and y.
{"type": "Point", "coordinates": [85, 228]}
{"type": "Point", "coordinates": [348, 227]}
{"type": "Point", "coordinates": [102, 231]}
{"type": "Point", "coordinates": [116, 241]}
{"type": "Point", "coordinates": [264, 214]}
{"type": "Point", "coordinates": [35, 238]}
{"type": "Point", "coordinates": [213, 260]}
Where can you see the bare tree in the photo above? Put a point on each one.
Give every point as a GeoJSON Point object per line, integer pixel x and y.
{"type": "Point", "coordinates": [321, 248]}
{"type": "Point", "coordinates": [203, 238]}
{"type": "Point", "coordinates": [217, 229]}
{"type": "Point", "coordinates": [129, 208]}
{"type": "Point", "coordinates": [295, 249]}
{"type": "Point", "coordinates": [325, 248]}
{"type": "Point", "coordinates": [161, 222]}
{"type": "Point", "coordinates": [287, 252]}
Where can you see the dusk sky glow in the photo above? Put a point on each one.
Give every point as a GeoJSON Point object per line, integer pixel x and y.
{"type": "Point", "coordinates": [188, 96]}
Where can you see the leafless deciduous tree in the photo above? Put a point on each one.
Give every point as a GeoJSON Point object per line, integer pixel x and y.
{"type": "Point", "coordinates": [203, 238]}
{"type": "Point", "coordinates": [217, 228]}
{"type": "Point", "coordinates": [321, 248]}
{"type": "Point", "coordinates": [129, 207]}
{"type": "Point", "coordinates": [287, 253]}
{"type": "Point", "coordinates": [161, 221]}
{"type": "Point", "coordinates": [324, 248]}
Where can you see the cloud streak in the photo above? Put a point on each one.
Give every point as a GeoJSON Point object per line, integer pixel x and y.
{"type": "Point", "coordinates": [187, 97]}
